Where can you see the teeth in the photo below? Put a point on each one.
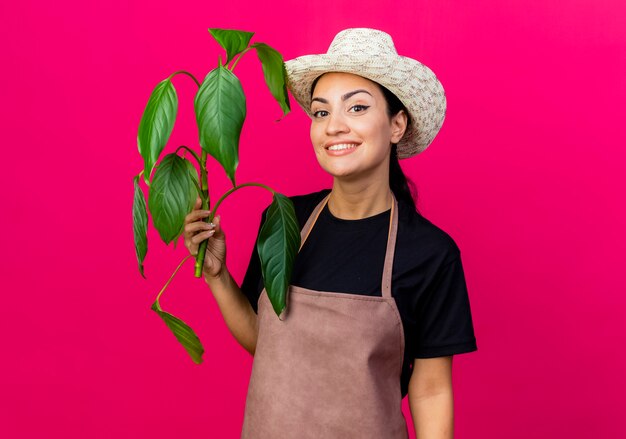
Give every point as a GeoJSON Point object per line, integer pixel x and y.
{"type": "Point", "coordinates": [341, 146]}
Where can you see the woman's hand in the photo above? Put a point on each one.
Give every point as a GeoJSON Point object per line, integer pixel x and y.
{"type": "Point", "coordinates": [196, 231]}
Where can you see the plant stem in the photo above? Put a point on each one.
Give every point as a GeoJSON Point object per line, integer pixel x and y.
{"type": "Point", "coordinates": [203, 244]}
{"type": "Point", "coordinates": [145, 180]}
{"type": "Point", "coordinates": [170, 279]}
{"type": "Point", "coordinates": [191, 151]}
{"type": "Point", "coordinates": [206, 203]}
{"type": "Point", "coordinates": [232, 66]}
{"type": "Point", "coordinates": [204, 181]}
{"type": "Point", "coordinates": [186, 73]}
{"type": "Point", "coordinates": [230, 191]}
{"type": "Point", "coordinates": [201, 194]}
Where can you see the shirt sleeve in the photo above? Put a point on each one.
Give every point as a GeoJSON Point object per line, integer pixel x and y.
{"type": "Point", "coordinates": [444, 319]}
{"type": "Point", "coordinates": [250, 284]}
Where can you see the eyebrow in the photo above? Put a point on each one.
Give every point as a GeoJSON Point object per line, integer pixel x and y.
{"type": "Point", "coordinates": [344, 97]}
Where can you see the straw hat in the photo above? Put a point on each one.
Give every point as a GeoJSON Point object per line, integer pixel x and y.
{"type": "Point", "coordinates": [370, 53]}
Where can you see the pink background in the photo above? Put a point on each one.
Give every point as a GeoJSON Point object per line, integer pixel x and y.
{"type": "Point", "coordinates": [527, 175]}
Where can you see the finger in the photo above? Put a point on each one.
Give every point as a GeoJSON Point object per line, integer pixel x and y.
{"type": "Point", "coordinates": [198, 203]}
{"type": "Point", "coordinates": [193, 248]}
{"type": "Point", "coordinates": [195, 215]}
{"type": "Point", "coordinates": [197, 239]}
{"type": "Point", "coordinates": [217, 220]}
{"type": "Point", "coordinates": [197, 226]}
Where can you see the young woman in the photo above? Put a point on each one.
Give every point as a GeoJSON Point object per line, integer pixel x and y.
{"type": "Point", "coordinates": [377, 304]}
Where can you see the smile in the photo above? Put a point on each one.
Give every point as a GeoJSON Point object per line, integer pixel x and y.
{"type": "Point", "coordinates": [342, 146]}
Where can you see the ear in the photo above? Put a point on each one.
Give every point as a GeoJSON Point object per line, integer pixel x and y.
{"type": "Point", "coordinates": [398, 126]}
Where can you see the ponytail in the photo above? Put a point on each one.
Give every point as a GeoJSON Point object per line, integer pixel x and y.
{"type": "Point", "coordinates": [402, 187]}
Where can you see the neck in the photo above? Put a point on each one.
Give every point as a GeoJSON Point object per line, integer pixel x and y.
{"type": "Point", "coordinates": [359, 200]}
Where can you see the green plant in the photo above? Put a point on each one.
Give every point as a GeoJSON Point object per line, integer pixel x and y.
{"type": "Point", "coordinates": [173, 184]}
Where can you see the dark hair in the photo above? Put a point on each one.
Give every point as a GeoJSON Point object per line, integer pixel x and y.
{"type": "Point", "coordinates": [403, 188]}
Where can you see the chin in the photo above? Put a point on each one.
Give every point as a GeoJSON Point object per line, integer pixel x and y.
{"type": "Point", "coordinates": [343, 173]}
{"type": "Point", "coordinates": [340, 172]}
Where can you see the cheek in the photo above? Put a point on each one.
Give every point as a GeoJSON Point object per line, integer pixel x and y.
{"type": "Point", "coordinates": [314, 133]}
{"type": "Point", "coordinates": [384, 131]}
{"type": "Point", "coordinates": [371, 127]}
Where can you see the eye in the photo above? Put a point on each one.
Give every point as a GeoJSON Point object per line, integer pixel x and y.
{"type": "Point", "coordinates": [364, 107]}
{"type": "Point", "coordinates": [319, 111]}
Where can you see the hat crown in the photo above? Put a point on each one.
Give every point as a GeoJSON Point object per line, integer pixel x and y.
{"type": "Point", "coordinates": [362, 40]}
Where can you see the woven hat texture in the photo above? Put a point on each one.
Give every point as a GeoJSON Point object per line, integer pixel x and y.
{"type": "Point", "coordinates": [371, 53]}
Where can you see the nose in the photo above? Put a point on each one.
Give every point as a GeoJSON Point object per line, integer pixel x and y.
{"type": "Point", "coordinates": [336, 124]}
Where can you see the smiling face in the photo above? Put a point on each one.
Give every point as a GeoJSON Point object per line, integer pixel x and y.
{"type": "Point", "coordinates": [351, 112]}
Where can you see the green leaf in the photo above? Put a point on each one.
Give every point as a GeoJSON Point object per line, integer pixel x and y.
{"type": "Point", "coordinates": [275, 74]}
{"type": "Point", "coordinates": [278, 244]}
{"type": "Point", "coordinates": [233, 41]}
{"type": "Point", "coordinates": [183, 333]}
{"type": "Point", "coordinates": [220, 107]}
{"type": "Point", "coordinates": [195, 179]}
{"type": "Point", "coordinates": [156, 124]}
{"type": "Point", "coordinates": [172, 196]}
{"type": "Point", "coordinates": [140, 225]}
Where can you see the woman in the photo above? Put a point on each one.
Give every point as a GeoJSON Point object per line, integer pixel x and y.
{"type": "Point", "coordinates": [377, 303]}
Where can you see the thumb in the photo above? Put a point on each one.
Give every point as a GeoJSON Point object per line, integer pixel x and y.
{"type": "Point", "coordinates": [218, 224]}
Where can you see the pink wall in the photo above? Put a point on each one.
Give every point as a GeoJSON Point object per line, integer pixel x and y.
{"type": "Point", "coordinates": [527, 175]}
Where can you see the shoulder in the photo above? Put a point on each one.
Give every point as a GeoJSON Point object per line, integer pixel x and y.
{"type": "Point", "coordinates": [422, 239]}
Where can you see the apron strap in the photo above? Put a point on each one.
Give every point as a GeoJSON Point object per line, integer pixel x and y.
{"type": "Point", "coordinates": [304, 233]}
{"type": "Point", "coordinates": [391, 247]}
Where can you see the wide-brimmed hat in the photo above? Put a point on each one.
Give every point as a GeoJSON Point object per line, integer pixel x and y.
{"type": "Point", "coordinates": [371, 53]}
